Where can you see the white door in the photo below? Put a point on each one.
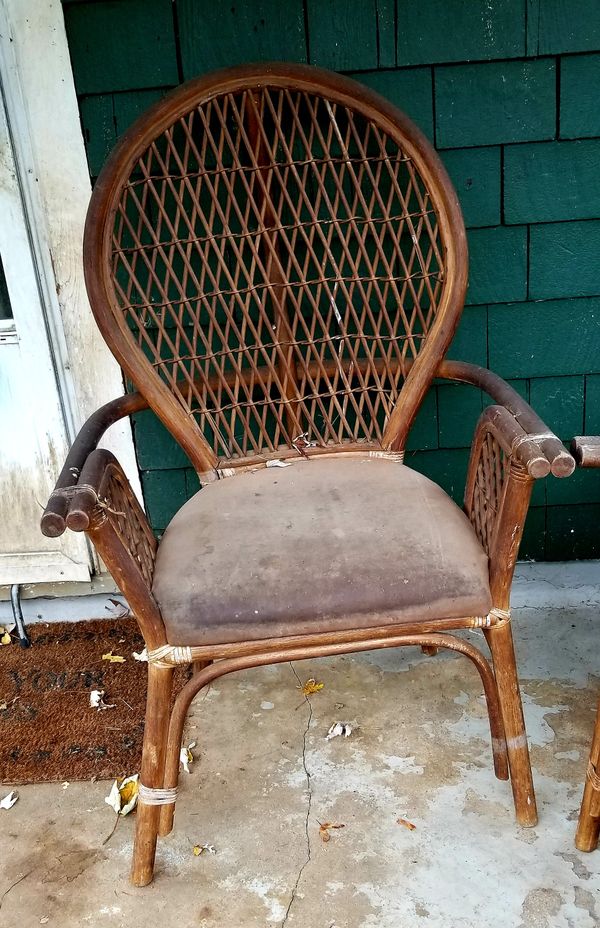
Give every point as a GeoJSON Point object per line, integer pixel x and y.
{"type": "Point", "coordinates": [33, 434]}
{"type": "Point", "coordinates": [55, 368]}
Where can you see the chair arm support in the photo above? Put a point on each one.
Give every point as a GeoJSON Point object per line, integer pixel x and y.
{"type": "Point", "coordinates": [586, 450]}
{"type": "Point", "coordinates": [533, 442]}
{"type": "Point", "coordinates": [54, 518]}
{"type": "Point", "coordinates": [500, 477]}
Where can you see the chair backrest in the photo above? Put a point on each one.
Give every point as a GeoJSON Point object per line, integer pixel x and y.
{"type": "Point", "coordinates": [267, 252]}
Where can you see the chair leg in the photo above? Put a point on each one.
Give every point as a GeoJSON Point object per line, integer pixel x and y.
{"type": "Point", "coordinates": [172, 762]}
{"type": "Point", "coordinates": [158, 705]}
{"type": "Point", "coordinates": [588, 827]}
{"type": "Point", "coordinates": [500, 641]}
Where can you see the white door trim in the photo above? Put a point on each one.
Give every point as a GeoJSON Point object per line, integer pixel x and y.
{"type": "Point", "coordinates": [41, 105]}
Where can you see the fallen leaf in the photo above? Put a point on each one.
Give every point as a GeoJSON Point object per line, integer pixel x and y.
{"type": "Point", "coordinates": [44, 919]}
{"type": "Point", "coordinates": [200, 849]}
{"type": "Point", "coordinates": [409, 825]}
{"type": "Point", "coordinates": [9, 800]}
{"type": "Point", "coordinates": [278, 463]}
{"type": "Point", "coordinates": [311, 686]}
{"type": "Point", "coordinates": [339, 729]}
{"type": "Point", "coordinates": [324, 829]}
{"type": "Point", "coordinates": [113, 658]}
{"type": "Point", "coordinates": [186, 757]}
{"type": "Point", "coordinates": [141, 655]}
{"type": "Point", "coordinates": [97, 701]}
{"type": "Point", "coordinates": [123, 794]}
{"type": "Point", "coordinates": [4, 636]}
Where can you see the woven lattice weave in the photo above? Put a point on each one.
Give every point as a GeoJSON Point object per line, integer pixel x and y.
{"type": "Point", "coordinates": [277, 257]}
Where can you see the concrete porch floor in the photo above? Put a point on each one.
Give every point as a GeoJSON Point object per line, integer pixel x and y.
{"type": "Point", "coordinates": [265, 777]}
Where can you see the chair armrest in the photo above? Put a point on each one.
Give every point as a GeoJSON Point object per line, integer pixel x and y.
{"type": "Point", "coordinates": [534, 441]}
{"type": "Point", "coordinates": [502, 468]}
{"type": "Point", "coordinates": [586, 450]}
{"type": "Point", "coordinates": [54, 518]}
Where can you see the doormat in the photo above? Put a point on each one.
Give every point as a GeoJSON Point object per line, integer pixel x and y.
{"type": "Point", "coordinates": [48, 731]}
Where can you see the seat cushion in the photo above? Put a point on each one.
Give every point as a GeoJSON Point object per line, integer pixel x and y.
{"type": "Point", "coordinates": [326, 544]}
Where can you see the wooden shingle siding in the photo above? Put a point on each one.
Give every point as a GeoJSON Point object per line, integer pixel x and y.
{"type": "Point", "coordinates": [508, 91]}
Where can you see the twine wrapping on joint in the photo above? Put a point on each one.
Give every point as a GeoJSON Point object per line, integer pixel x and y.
{"type": "Point", "coordinates": [537, 437]}
{"type": "Point", "coordinates": [69, 492]}
{"type": "Point", "coordinates": [169, 656]}
{"type": "Point", "coordinates": [592, 777]}
{"type": "Point", "coordinates": [156, 797]}
{"type": "Point", "coordinates": [397, 456]}
{"type": "Point", "coordinates": [494, 617]}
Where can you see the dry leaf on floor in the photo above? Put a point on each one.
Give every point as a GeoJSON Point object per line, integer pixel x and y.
{"type": "Point", "coordinates": [407, 824]}
{"type": "Point", "coordinates": [200, 849]}
{"type": "Point", "coordinates": [186, 757]}
{"type": "Point", "coordinates": [9, 800]}
{"type": "Point", "coordinates": [123, 795]}
{"type": "Point", "coordinates": [113, 658]}
{"type": "Point", "coordinates": [278, 463]}
{"type": "Point", "coordinates": [311, 686]}
{"type": "Point", "coordinates": [324, 829]}
{"type": "Point", "coordinates": [141, 655]}
{"type": "Point", "coordinates": [5, 631]}
{"type": "Point", "coordinates": [339, 729]}
{"type": "Point", "coordinates": [97, 701]}
{"type": "Point", "coordinates": [44, 919]}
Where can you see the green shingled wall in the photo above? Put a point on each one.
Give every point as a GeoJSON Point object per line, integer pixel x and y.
{"type": "Point", "coordinates": [508, 91]}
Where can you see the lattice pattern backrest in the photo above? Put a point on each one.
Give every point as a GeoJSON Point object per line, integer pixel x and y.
{"type": "Point", "coordinates": [277, 257]}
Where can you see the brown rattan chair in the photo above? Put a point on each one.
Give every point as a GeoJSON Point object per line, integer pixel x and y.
{"type": "Point", "coordinates": [277, 259]}
{"type": "Point", "coordinates": [586, 451]}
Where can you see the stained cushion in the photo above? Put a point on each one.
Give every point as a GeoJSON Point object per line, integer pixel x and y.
{"type": "Point", "coordinates": [325, 544]}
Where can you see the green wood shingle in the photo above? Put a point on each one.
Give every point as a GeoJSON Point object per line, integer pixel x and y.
{"type": "Point", "coordinates": [121, 44]}
{"type": "Point", "coordinates": [553, 338]}
{"type": "Point", "coordinates": [342, 34]}
{"type": "Point", "coordinates": [565, 26]}
{"type": "Point", "coordinates": [486, 104]}
{"type": "Point", "coordinates": [219, 35]}
{"type": "Point", "coordinates": [432, 31]}
{"type": "Point", "coordinates": [564, 259]}
{"type": "Point", "coordinates": [579, 96]}
{"type": "Point", "coordinates": [552, 181]}
{"type": "Point", "coordinates": [476, 175]}
{"type": "Point", "coordinates": [498, 264]}
{"type": "Point", "coordinates": [410, 90]}
{"type": "Point", "coordinates": [559, 402]}
{"type": "Point", "coordinates": [99, 132]}
{"type": "Point", "coordinates": [165, 492]}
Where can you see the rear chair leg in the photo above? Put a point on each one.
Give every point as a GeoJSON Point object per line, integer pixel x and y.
{"type": "Point", "coordinates": [588, 827]}
{"type": "Point", "coordinates": [500, 641]}
{"type": "Point", "coordinates": [158, 705]}
{"type": "Point", "coordinates": [171, 779]}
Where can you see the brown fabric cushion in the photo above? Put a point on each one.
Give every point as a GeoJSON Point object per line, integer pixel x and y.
{"type": "Point", "coordinates": [335, 543]}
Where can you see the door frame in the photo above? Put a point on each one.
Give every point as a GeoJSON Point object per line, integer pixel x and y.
{"type": "Point", "coordinates": [49, 152]}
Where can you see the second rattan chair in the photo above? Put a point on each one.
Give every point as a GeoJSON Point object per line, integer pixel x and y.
{"type": "Point", "coordinates": [276, 257]}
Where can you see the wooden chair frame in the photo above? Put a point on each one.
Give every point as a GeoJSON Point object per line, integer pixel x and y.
{"type": "Point", "coordinates": [511, 446]}
{"type": "Point", "coordinates": [586, 451]}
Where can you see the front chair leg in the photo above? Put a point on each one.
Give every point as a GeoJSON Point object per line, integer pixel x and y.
{"type": "Point", "coordinates": [158, 706]}
{"type": "Point", "coordinates": [500, 641]}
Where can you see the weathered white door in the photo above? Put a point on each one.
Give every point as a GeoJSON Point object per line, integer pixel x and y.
{"type": "Point", "coordinates": [33, 434]}
{"type": "Point", "coordinates": [55, 369]}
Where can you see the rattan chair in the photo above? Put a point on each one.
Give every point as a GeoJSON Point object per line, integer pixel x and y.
{"type": "Point", "coordinates": [586, 451]}
{"type": "Point", "coordinates": [276, 257]}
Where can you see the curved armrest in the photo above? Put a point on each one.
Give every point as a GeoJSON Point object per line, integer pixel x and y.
{"type": "Point", "coordinates": [55, 517]}
{"type": "Point", "coordinates": [586, 450]}
{"type": "Point", "coordinates": [534, 441]}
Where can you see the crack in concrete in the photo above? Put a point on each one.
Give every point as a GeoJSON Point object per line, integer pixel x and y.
{"type": "Point", "coordinates": [308, 808]}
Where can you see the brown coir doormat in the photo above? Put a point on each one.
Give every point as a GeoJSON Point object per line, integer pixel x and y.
{"type": "Point", "coordinates": [47, 729]}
